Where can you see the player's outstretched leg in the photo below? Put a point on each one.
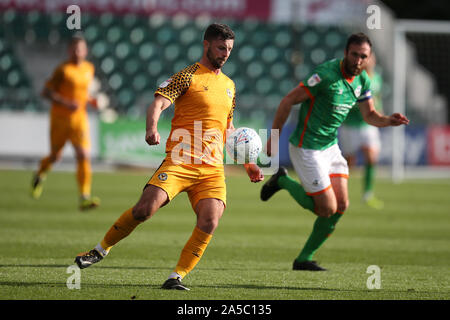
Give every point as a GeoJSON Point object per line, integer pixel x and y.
{"type": "Point", "coordinates": [37, 185]}
{"type": "Point", "coordinates": [174, 284]}
{"type": "Point", "coordinates": [89, 202]}
{"type": "Point", "coordinates": [271, 186]}
{"type": "Point", "coordinates": [86, 259]}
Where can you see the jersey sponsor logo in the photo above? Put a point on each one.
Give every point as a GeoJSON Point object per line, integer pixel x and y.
{"type": "Point", "coordinates": [165, 83]}
{"type": "Point", "coordinates": [162, 176]}
{"type": "Point", "coordinates": [342, 108]}
{"type": "Point", "coordinates": [313, 80]}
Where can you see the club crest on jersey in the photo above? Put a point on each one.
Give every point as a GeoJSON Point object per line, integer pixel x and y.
{"type": "Point", "coordinates": [165, 83]}
{"type": "Point", "coordinates": [313, 80]}
{"type": "Point", "coordinates": [358, 91]}
{"type": "Point", "coordinates": [162, 176]}
{"type": "Point", "coordinates": [229, 93]}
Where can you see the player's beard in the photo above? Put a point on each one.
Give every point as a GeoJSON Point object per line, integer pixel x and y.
{"type": "Point", "coordinates": [352, 70]}
{"type": "Point", "coordinates": [215, 62]}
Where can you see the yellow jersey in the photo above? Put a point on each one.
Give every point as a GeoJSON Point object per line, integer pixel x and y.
{"type": "Point", "coordinates": [204, 105]}
{"type": "Point", "coordinates": [72, 82]}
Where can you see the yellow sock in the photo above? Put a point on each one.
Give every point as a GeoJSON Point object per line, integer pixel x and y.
{"type": "Point", "coordinates": [192, 252]}
{"type": "Point", "coordinates": [84, 176]}
{"type": "Point", "coordinates": [119, 230]}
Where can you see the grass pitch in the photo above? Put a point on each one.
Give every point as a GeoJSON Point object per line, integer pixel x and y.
{"type": "Point", "coordinates": [250, 256]}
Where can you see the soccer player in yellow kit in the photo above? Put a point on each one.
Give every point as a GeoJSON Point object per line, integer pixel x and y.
{"type": "Point", "coordinates": [68, 90]}
{"type": "Point", "coordinates": [204, 103]}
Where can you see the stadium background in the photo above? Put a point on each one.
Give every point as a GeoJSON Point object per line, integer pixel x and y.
{"type": "Point", "coordinates": [135, 45]}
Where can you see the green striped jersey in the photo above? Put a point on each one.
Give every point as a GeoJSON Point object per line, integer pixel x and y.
{"type": "Point", "coordinates": [331, 96]}
{"type": "Point", "coordinates": [354, 118]}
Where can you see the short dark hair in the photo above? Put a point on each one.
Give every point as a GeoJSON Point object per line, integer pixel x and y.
{"type": "Point", "coordinates": [358, 38]}
{"type": "Point", "coordinates": [75, 38]}
{"type": "Point", "coordinates": [218, 31]}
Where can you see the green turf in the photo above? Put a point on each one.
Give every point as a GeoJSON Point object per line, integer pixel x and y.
{"type": "Point", "coordinates": [250, 256]}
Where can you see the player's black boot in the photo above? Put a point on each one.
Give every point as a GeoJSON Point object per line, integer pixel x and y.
{"type": "Point", "coordinates": [307, 266]}
{"type": "Point", "coordinates": [87, 259]}
{"type": "Point", "coordinates": [174, 284]}
{"type": "Point", "coordinates": [271, 186]}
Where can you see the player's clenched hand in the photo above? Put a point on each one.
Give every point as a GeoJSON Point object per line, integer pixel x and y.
{"type": "Point", "coordinates": [152, 137]}
{"type": "Point", "coordinates": [254, 172]}
{"type": "Point", "coordinates": [397, 119]}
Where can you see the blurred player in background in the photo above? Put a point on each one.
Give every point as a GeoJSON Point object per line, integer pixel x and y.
{"type": "Point", "coordinates": [68, 91]}
{"type": "Point", "coordinates": [327, 96]}
{"type": "Point", "coordinates": [204, 103]}
{"type": "Point", "coordinates": [355, 134]}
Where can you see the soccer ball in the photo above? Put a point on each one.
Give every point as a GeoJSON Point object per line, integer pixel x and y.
{"type": "Point", "coordinates": [243, 145]}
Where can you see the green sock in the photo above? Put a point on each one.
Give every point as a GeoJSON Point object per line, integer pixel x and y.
{"type": "Point", "coordinates": [369, 176]}
{"type": "Point", "coordinates": [323, 228]}
{"type": "Point", "coordinates": [296, 190]}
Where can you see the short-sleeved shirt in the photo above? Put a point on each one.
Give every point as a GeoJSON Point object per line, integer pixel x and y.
{"type": "Point", "coordinates": [331, 96]}
{"type": "Point", "coordinates": [204, 105]}
{"type": "Point", "coordinates": [72, 82]}
{"type": "Point", "coordinates": [354, 118]}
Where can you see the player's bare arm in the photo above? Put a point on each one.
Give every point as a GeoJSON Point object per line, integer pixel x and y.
{"type": "Point", "coordinates": [57, 98]}
{"type": "Point", "coordinates": [296, 95]}
{"type": "Point", "coordinates": [373, 117]}
{"type": "Point", "coordinates": [160, 103]}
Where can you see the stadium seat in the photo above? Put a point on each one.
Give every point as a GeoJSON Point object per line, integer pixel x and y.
{"type": "Point", "coordinates": [92, 33]}
{"type": "Point", "coordinates": [108, 65]}
{"type": "Point", "coordinates": [114, 34]}
{"type": "Point", "coordinates": [131, 66]}
{"type": "Point", "coordinates": [154, 68]}
{"type": "Point", "coordinates": [100, 49]}
{"type": "Point", "coordinates": [171, 52]}
{"type": "Point", "coordinates": [137, 35]}
{"type": "Point", "coordinates": [246, 53]}
{"type": "Point", "coordinates": [122, 50]}
{"type": "Point", "coordinates": [140, 82]}
{"type": "Point", "coordinates": [115, 81]}
{"type": "Point", "coordinates": [264, 86]}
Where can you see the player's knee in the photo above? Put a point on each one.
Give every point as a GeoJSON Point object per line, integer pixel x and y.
{"type": "Point", "coordinates": [343, 205]}
{"type": "Point", "coordinates": [325, 211]}
{"type": "Point", "coordinates": [208, 224]}
{"type": "Point", "coordinates": [142, 212]}
{"type": "Point", "coordinates": [82, 155]}
{"type": "Point", "coordinates": [55, 156]}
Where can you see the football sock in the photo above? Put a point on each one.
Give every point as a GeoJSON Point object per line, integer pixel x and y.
{"type": "Point", "coordinates": [323, 228]}
{"type": "Point", "coordinates": [119, 230]}
{"type": "Point", "coordinates": [369, 175]}
{"type": "Point", "coordinates": [84, 177]}
{"type": "Point", "coordinates": [44, 166]}
{"type": "Point", "coordinates": [296, 190]}
{"type": "Point", "coordinates": [192, 252]}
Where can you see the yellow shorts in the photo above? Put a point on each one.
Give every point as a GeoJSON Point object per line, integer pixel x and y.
{"type": "Point", "coordinates": [199, 181]}
{"type": "Point", "coordinates": [68, 128]}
